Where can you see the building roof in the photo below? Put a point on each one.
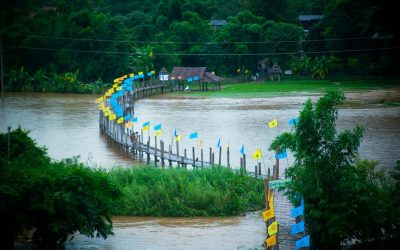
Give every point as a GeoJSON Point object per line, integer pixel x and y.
{"type": "Point", "coordinates": [275, 69]}
{"type": "Point", "coordinates": [184, 73]}
{"type": "Point", "coordinates": [209, 77]}
{"type": "Point", "coordinates": [218, 22]}
{"type": "Point", "coordinates": [309, 18]}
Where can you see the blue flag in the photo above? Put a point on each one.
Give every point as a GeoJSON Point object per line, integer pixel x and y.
{"type": "Point", "coordinates": [149, 74]}
{"type": "Point", "coordinates": [175, 134]}
{"type": "Point", "coordinates": [189, 79]}
{"type": "Point", "coordinates": [219, 143]}
{"type": "Point", "coordinates": [281, 155]}
{"type": "Point", "coordinates": [297, 211]}
{"type": "Point", "coordinates": [127, 117]}
{"type": "Point", "coordinates": [157, 127]}
{"type": "Point", "coordinates": [135, 119]}
{"type": "Point", "coordinates": [294, 121]}
{"type": "Point", "coordinates": [303, 242]}
{"type": "Point", "coordinates": [297, 228]}
{"type": "Point", "coordinates": [242, 149]}
{"type": "Point", "coordinates": [195, 78]}
{"type": "Point", "coordinates": [193, 135]}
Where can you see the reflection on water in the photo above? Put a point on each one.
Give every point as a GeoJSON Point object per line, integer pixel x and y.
{"type": "Point", "coordinates": [68, 126]}
{"type": "Point", "coordinates": [180, 233]}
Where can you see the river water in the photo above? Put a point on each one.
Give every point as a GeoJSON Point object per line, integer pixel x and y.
{"type": "Point", "coordinates": [68, 126]}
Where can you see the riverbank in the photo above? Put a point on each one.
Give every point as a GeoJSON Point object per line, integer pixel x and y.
{"type": "Point", "coordinates": [299, 87]}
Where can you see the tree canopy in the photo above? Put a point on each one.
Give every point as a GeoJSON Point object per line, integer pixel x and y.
{"type": "Point", "coordinates": [98, 38]}
{"type": "Point", "coordinates": [53, 200]}
{"type": "Point", "coordinates": [346, 200]}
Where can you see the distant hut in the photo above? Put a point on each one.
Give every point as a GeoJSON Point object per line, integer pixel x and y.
{"type": "Point", "coordinates": [163, 74]}
{"type": "Point", "coordinates": [275, 71]}
{"type": "Point", "coordinates": [195, 74]}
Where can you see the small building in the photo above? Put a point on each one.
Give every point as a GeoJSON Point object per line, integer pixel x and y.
{"type": "Point", "coordinates": [218, 23]}
{"type": "Point", "coordinates": [195, 74]}
{"type": "Point", "coordinates": [307, 21]}
{"type": "Point", "coordinates": [275, 71]}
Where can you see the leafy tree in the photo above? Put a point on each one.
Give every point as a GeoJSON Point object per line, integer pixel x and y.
{"type": "Point", "coordinates": [344, 201]}
{"type": "Point", "coordinates": [53, 200]}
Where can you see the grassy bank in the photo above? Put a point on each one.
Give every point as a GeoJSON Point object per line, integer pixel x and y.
{"type": "Point", "coordinates": [266, 89]}
{"type": "Point", "coordinates": [180, 192]}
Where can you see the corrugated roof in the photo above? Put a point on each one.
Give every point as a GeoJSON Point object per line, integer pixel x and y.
{"type": "Point", "coordinates": [209, 77]}
{"type": "Point", "coordinates": [303, 18]}
{"type": "Point", "coordinates": [186, 72]}
{"type": "Point", "coordinates": [218, 22]}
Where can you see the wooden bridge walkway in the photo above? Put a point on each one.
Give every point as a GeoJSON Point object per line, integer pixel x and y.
{"type": "Point", "coordinates": [140, 149]}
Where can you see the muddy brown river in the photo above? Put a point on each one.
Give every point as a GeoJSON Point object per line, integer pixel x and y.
{"type": "Point", "coordinates": [68, 126]}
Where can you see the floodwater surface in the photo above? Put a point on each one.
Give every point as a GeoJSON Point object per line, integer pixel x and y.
{"type": "Point", "coordinates": [68, 126]}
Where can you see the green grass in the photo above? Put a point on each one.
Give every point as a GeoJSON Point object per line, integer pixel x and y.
{"type": "Point", "coordinates": [266, 89]}
{"type": "Point", "coordinates": [149, 191]}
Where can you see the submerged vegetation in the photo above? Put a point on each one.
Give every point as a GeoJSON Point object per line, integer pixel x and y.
{"type": "Point", "coordinates": [53, 200]}
{"type": "Point", "coordinates": [180, 192]}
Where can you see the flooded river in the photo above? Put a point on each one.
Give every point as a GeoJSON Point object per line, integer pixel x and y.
{"type": "Point", "coordinates": [68, 126]}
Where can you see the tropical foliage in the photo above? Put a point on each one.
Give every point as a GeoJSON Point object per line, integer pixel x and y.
{"type": "Point", "coordinates": [102, 39]}
{"type": "Point", "coordinates": [347, 202]}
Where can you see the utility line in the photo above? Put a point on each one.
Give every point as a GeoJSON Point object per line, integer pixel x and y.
{"type": "Point", "coordinates": [190, 42]}
{"type": "Point", "coordinates": [203, 54]}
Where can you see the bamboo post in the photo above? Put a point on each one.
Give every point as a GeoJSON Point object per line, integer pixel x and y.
{"type": "Point", "coordinates": [244, 163]}
{"type": "Point", "coordinates": [169, 158]}
{"type": "Point", "coordinates": [241, 164]}
{"type": "Point", "coordinates": [155, 149]}
{"type": "Point", "coordinates": [277, 164]}
{"type": "Point", "coordinates": [162, 152]}
{"type": "Point", "coordinates": [177, 151]}
{"type": "Point", "coordinates": [227, 158]}
{"type": "Point", "coordinates": [255, 171]}
{"type": "Point", "coordinates": [259, 169]}
{"type": "Point", "coordinates": [148, 150]}
{"type": "Point", "coordinates": [211, 156]}
{"type": "Point", "coordinates": [201, 158]}
{"type": "Point", "coordinates": [213, 160]}
{"type": "Point", "coordinates": [194, 159]}
{"type": "Point", "coordinates": [220, 155]}
{"type": "Point", "coordinates": [185, 157]}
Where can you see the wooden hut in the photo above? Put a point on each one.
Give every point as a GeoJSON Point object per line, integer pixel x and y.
{"type": "Point", "coordinates": [275, 71]}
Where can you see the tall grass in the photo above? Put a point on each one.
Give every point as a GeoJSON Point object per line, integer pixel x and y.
{"type": "Point", "coordinates": [180, 192]}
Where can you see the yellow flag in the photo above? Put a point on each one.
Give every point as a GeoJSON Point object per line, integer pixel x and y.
{"type": "Point", "coordinates": [129, 124]}
{"type": "Point", "coordinates": [108, 113]}
{"type": "Point", "coordinates": [257, 155]}
{"type": "Point", "coordinates": [116, 80]}
{"type": "Point", "coordinates": [273, 123]}
{"type": "Point", "coordinates": [107, 109]}
{"type": "Point", "coordinates": [271, 241]}
{"type": "Point", "coordinates": [115, 85]}
{"type": "Point", "coordinates": [131, 75]}
{"type": "Point", "coordinates": [273, 228]}
{"type": "Point", "coordinates": [120, 120]}
{"type": "Point", "coordinates": [158, 132]}
{"type": "Point", "coordinates": [200, 143]}
{"type": "Point", "coordinates": [112, 117]}
{"type": "Point", "coordinates": [178, 138]}
{"type": "Point", "coordinates": [268, 214]}
{"type": "Point", "coordinates": [124, 76]}
{"type": "Point", "coordinates": [119, 88]}
{"type": "Point", "coordinates": [271, 201]}
{"type": "Point", "coordinates": [140, 73]}
{"type": "Point", "coordinates": [111, 90]}
{"type": "Point", "coordinates": [101, 106]}
{"type": "Point", "coordinates": [99, 100]}
{"type": "Point", "coordinates": [153, 72]}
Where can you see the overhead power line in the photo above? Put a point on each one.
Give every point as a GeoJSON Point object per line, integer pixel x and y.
{"type": "Point", "coordinates": [192, 42]}
{"type": "Point", "coordinates": [204, 54]}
